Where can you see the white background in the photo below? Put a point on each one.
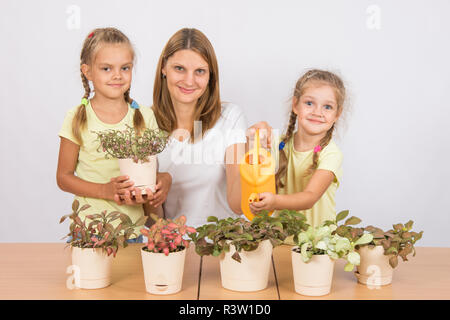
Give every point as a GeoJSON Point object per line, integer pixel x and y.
{"type": "Point", "coordinates": [392, 55]}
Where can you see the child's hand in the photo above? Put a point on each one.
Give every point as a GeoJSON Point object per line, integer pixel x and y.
{"type": "Point", "coordinates": [163, 184]}
{"type": "Point", "coordinates": [267, 201]}
{"type": "Point", "coordinates": [133, 197]}
{"type": "Point", "coordinates": [117, 186]}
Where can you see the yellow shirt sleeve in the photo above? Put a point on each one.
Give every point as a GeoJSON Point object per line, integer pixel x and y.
{"type": "Point", "coordinates": [66, 129]}
{"type": "Point", "coordinates": [331, 160]}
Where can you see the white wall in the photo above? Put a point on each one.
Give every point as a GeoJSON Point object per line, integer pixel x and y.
{"type": "Point", "coordinates": [393, 56]}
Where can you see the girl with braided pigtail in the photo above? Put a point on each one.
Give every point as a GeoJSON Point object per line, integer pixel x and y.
{"type": "Point", "coordinates": [106, 63]}
{"type": "Point", "coordinates": [310, 167]}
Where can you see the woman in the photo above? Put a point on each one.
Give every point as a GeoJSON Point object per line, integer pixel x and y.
{"type": "Point", "coordinates": [207, 135]}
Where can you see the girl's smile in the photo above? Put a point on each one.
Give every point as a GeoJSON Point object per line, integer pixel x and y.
{"type": "Point", "coordinates": [316, 109]}
{"type": "Point", "coordinates": [111, 71]}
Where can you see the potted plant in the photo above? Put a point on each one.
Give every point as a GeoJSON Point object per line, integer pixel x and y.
{"type": "Point", "coordinates": [244, 247]}
{"type": "Point", "coordinates": [93, 245]}
{"type": "Point", "coordinates": [380, 256]}
{"type": "Point", "coordinates": [164, 254]}
{"type": "Point", "coordinates": [314, 256]}
{"type": "Point", "coordinates": [136, 153]}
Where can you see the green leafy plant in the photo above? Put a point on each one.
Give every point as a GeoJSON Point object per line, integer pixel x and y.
{"type": "Point", "coordinates": [398, 241]}
{"type": "Point", "coordinates": [100, 233]}
{"type": "Point", "coordinates": [216, 237]}
{"type": "Point", "coordinates": [128, 144]}
{"type": "Point", "coordinates": [323, 240]}
{"type": "Point", "coordinates": [167, 235]}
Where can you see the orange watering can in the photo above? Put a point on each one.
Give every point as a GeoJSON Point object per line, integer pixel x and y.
{"type": "Point", "coordinates": [257, 169]}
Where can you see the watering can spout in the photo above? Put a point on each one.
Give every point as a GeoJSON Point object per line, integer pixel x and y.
{"type": "Point", "coordinates": [257, 170]}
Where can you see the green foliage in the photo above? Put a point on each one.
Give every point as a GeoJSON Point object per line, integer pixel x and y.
{"type": "Point", "coordinates": [396, 242]}
{"type": "Point", "coordinates": [100, 233]}
{"type": "Point", "coordinates": [128, 144]}
{"type": "Point", "coordinates": [216, 237]}
{"type": "Point", "coordinates": [324, 240]}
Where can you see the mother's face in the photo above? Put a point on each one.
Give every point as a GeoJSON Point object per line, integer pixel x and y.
{"type": "Point", "coordinates": [187, 76]}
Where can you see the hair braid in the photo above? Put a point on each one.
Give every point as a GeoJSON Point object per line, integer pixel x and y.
{"type": "Point", "coordinates": [323, 143]}
{"type": "Point", "coordinates": [80, 119]}
{"type": "Point", "coordinates": [282, 168]}
{"type": "Point", "coordinates": [138, 119]}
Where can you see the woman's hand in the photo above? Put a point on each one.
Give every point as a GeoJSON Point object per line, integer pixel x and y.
{"type": "Point", "coordinates": [163, 184]}
{"type": "Point", "coordinates": [267, 201]}
{"type": "Point", "coordinates": [265, 133]}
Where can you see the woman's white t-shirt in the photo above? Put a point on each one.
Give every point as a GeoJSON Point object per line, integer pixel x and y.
{"type": "Point", "coordinates": [199, 185]}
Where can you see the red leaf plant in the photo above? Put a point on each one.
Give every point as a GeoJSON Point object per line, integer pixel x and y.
{"type": "Point", "coordinates": [166, 235]}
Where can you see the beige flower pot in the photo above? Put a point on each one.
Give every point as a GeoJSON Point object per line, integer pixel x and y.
{"type": "Point", "coordinates": [252, 273]}
{"type": "Point", "coordinates": [374, 268]}
{"type": "Point", "coordinates": [92, 266]}
{"type": "Point", "coordinates": [312, 278]}
{"type": "Point", "coordinates": [142, 174]}
{"type": "Point", "coordinates": [163, 274]}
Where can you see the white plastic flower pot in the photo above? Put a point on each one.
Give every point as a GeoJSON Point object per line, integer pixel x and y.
{"type": "Point", "coordinates": [252, 273]}
{"type": "Point", "coordinates": [312, 278]}
{"type": "Point", "coordinates": [163, 274]}
{"type": "Point", "coordinates": [374, 268]}
{"type": "Point", "coordinates": [92, 268]}
{"type": "Point", "coordinates": [143, 174]}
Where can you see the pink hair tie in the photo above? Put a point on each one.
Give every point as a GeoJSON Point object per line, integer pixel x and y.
{"type": "Point", "coordinates": [317, 149]}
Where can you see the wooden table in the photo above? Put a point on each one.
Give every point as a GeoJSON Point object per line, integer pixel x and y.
{"type": "Point", "coordinates": [38, 271]}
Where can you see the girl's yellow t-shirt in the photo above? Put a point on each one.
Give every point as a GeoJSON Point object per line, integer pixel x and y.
{"type": "Point", "coordinates": [330, 158]}
{"type": "Point", "coordinates": [92, 165]}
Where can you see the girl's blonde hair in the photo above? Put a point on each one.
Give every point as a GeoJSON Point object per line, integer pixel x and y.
{"type": "Point", "coordinates": [208, 106]}
{"type": "Point", "coordinates": [91, 45]}
{"type": "Point", "coordinates": [311, 77]}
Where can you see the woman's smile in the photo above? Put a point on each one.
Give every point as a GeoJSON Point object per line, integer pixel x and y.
{"type": "Point", "coordinates": [185, 90]}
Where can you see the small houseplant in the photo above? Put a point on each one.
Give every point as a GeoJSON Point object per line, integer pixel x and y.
{"type": "Point", "coordinates": [314, 257]}
{"type": "Point", "coordinates": [93, 245]}
{"type": "Point", "coordinates": [136, 152]}
{"type": "Point", "coordinates": [164, 254]}
{"type": "Point", "coordinates": [379, 257]}
{"type": "Point", "coordinates": [244, 247]}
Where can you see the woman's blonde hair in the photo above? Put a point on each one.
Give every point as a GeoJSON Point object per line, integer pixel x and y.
{"type": "Point", "coordinates": [91, 45]}
{"type": "Point", "coordinates": [311, 77]}
{"type": "Point", "coordinates": [208, 108]}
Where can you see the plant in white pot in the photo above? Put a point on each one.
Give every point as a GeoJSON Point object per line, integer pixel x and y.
{"type": "Point", "coordinates": [245, 248]}
{"type": "Point", "coordinates": [314, 256]}
{"type": "Point", "coordinates": [94, 244]}
{"type": "Point", "coordinates": [379, 257]}
{"type": "Point", "coordinates": [136, 152]}
{"type": "Point", "coordinates": [164, 254]}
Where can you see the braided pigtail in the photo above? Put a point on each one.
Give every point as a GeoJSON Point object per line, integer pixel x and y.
{"type": "Point", "coordinates": [80, 119]}
{"type": "Point", "coordinates": [138, 119]}
{"type": "Point", "coordinates": [282, 167]}
{"type": "Point", "coordinates": [323, 143]}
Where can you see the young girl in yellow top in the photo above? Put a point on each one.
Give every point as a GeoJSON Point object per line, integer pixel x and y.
{"type": "Point", "coordinates": [107, 59]}
{"type": "Point", "coordinates": [310, 167]}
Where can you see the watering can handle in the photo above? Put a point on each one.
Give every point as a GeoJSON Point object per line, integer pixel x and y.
{"type": "Point", "coordinates": [255, 154]}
